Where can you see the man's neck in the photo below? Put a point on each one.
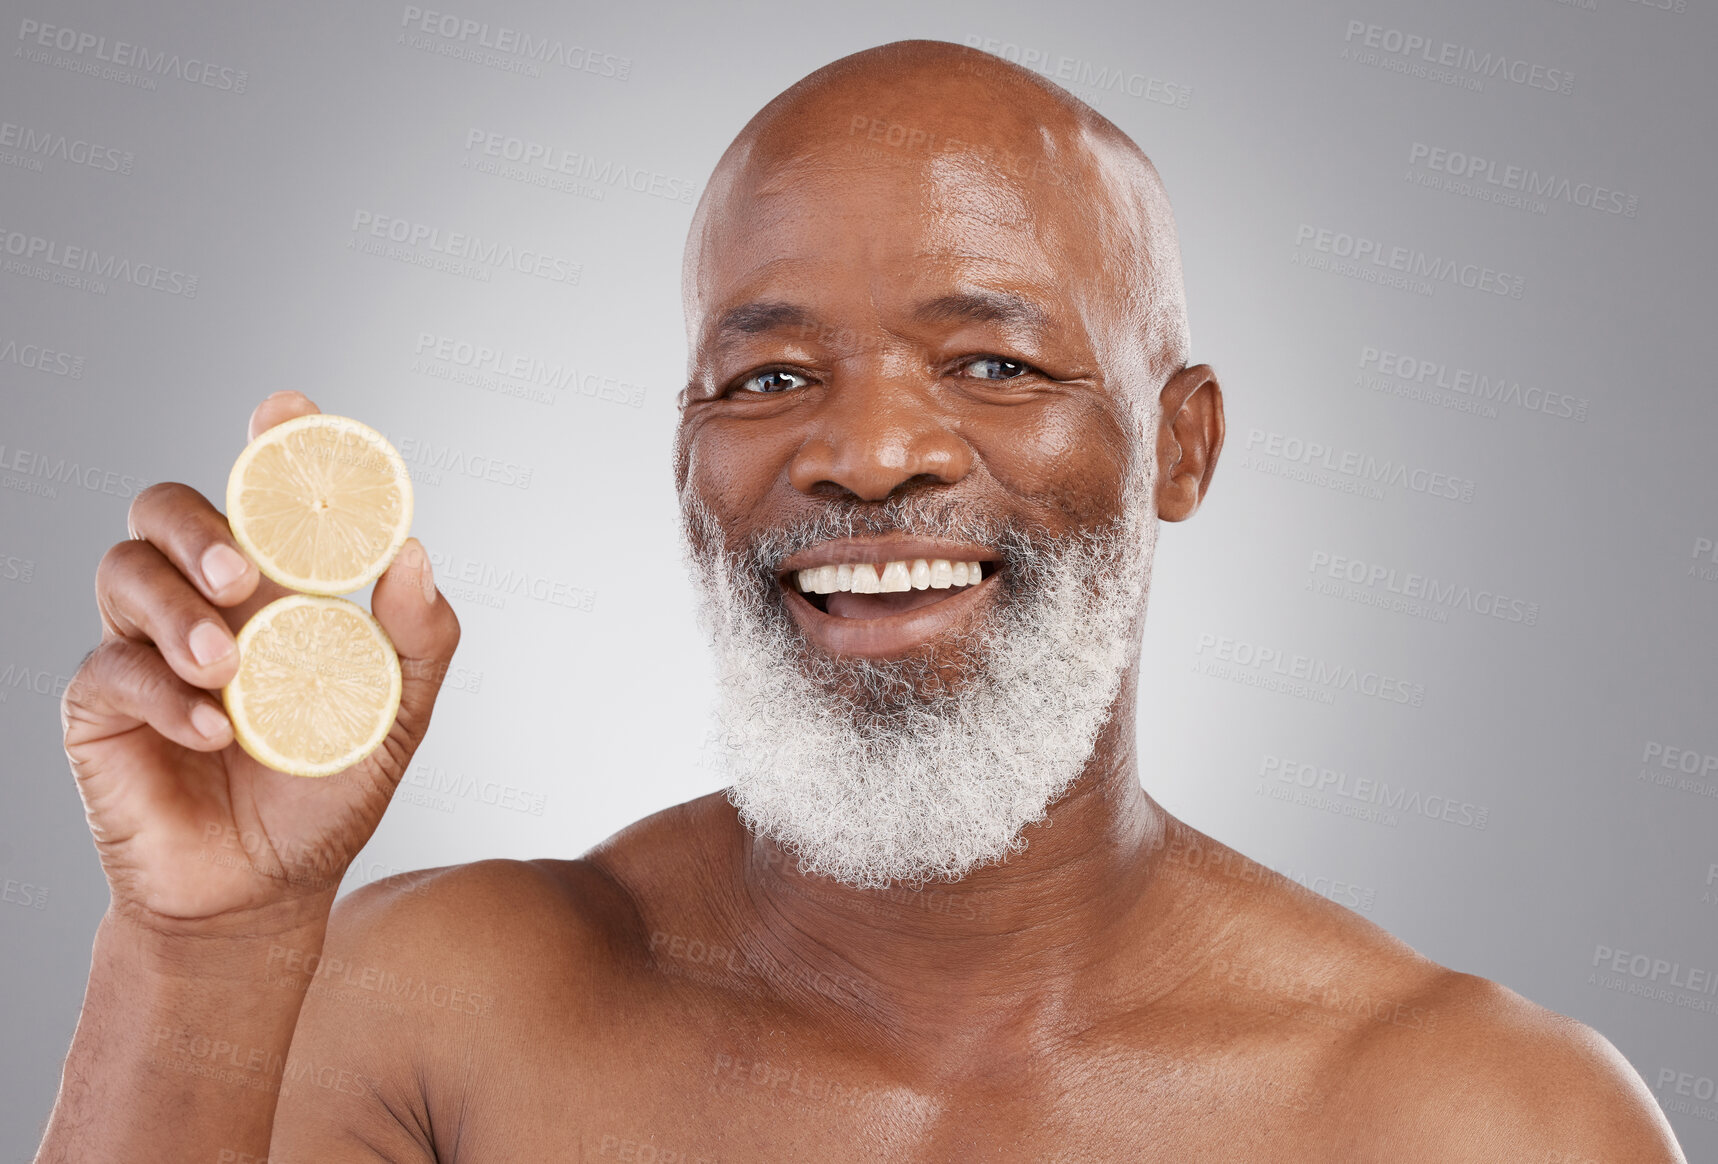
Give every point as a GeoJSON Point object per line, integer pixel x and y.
{"type": "Point", "coordinates": [948, 961]}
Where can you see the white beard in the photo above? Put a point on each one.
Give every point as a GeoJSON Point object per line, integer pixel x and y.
{"type": "Point", "coordinates": [873, 772]}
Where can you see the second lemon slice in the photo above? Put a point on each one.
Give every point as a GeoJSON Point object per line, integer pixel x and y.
{"type": "Point", "coordinates": [317, 688]}
{"type": "Point", "coordinates": [321, 503]}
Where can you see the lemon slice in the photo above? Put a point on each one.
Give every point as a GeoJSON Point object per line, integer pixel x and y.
{"type": "Point", "coordinates": [317, 688]}
{"type": "Point", "coordinates": [321, 503]}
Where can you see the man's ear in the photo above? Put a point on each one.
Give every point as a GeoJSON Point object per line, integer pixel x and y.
{"type": "Point", "coordinates": [1189, 437]}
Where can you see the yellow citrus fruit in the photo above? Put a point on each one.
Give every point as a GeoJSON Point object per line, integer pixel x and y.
{"type": "Point", "coordinates": [318, 685]}
{"type": "Point", "coordinates": [321, 503]}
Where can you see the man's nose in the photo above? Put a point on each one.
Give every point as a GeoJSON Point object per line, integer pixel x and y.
{"type": "Point", "coordinates": [871, 438]}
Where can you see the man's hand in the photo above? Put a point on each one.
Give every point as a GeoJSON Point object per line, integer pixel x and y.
{"type": "Point", "coordinates": [196, 837]}
{"type": "Point", "coordinates": [215, 862]}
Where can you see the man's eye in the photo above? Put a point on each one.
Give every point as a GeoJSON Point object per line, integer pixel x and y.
{"type": "Point", "coordinates": [774, 380]}
{"type": "Point", "coordinates": [997, 368]}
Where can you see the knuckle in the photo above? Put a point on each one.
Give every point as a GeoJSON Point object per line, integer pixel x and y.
{"type": "Point", "coordinates": [119, 559]}
{"type": "Point", "coordinates": [148, 500]}
{"type": "Point", "coordinates": [80, 692]}
{"type": "Point", "coordinates": [169, 507]}
{"type": "Point", "coordinates": [115, 573]}
{"type": "Point", "coordinates": [92, 677]}
{"type": "Point", "coordinates": [131, 578]}
{"type": "Point", "coordinates": [190, 522]}
{"type": "Point", "coordinates": [141, 674]}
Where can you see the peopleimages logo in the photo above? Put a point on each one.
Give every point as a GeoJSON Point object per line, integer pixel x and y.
{"type": "Point", "coordinates": [448, 357]}
{"type": "Point", "coordinates": [1647, 969]}
{"type": "Point", "coordinates": [33, 680]}
{"type": "Point", "coordinates": [34, 144]}
{"type": "Point", "coordinates": [1677, 768]}
{"type": "Point", "coordinates": [1688, 761]}
{"type": "Point", "coordinates": [1523, 180]}
{"type": "Point", "coordinates": [1478, 387]}
{"type": "Point", "coordinates": [1226, 657]}
{"type": "Point", "coordinates": [89, 47]}
{"type": "Point", "coordinates": [461, 253]}
{"type": "Point", "coordinates": [1362, 470]}
{"type": "Point", "coordinates": [1702, 1088]}
{"type": "Point", "coordinates": [1382, 798]}
{"type": "Point", "coordinates": [461, 36]}
{"type": "Point", "coordinates": [1410, 269]}
{"type": "Point", "coordinates": [1421, 593]}
{"type": "Point", "coordinates": [1084, 74]}
{"type": "Point", "coordinates": [536, 162]}
{"type": "Point", "coordinates": [428, 461]}
{"type": "Point", "coordinates": [1445, 61]}
{"type": "Point", "coordinates": [32, 472]}
{"type": "Point", "coordinates": [1705, 550]}
{"type": "Point", "coordinates": [56, 262]}
{"type": "Point", "coordinates": [41, 359]}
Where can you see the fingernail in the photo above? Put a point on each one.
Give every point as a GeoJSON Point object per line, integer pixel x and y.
{"type": "Point", "coordinates": [209, 721]}
{"type": "Point", "coordinates": [222, 566]}
{"type": "Point", "coordinates": [209, 643]}
{"type": "Point", "coordinates": [418, 559]}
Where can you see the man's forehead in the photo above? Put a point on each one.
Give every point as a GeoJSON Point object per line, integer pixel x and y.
{"type": "Point", "coordinates": [830, 198]}
{"type": "Point", "coordinates": [946, 238]}
{"type": "Point", "coordinates": [918, 155]}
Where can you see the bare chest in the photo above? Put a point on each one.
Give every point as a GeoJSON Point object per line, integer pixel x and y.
{"type": "Point", "coordinates": [682, 1081]}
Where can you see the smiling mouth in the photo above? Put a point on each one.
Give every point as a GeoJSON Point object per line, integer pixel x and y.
{"type": "Point", "coordinates": [866, 590]}
{"type": "Point", "coordinates": [888, 597]}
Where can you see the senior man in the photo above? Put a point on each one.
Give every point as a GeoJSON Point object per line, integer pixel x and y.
{"type": "Point", "coordinates": [939, 398]}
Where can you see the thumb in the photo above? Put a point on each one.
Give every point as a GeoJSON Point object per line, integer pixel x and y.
{"type": "Point", "coordinates": [424, 631]}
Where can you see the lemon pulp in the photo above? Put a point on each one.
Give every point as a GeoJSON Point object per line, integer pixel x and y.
{"type": "Point", "coordinates": [321, 503]}
{"type": "Point", "coordinates": [317, 688]}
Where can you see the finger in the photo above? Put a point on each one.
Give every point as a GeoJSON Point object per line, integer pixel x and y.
{"type": "Point", "coordinates": [180, 522]}
{"type": "Point", "coordinates": [125, 683]}
{"type": "Point", "coordinates": [283, 405]}
{"type": "Point", "coordinates": [143, 596]}
{"type": "Point", "coordinates": [424, 630]}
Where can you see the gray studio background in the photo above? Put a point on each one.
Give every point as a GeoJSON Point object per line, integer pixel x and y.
{"type": "Point", "coordinates": [1441, 643]}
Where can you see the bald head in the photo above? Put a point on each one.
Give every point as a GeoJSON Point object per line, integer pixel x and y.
{"type": "Point", "coordinates": [959, 130]}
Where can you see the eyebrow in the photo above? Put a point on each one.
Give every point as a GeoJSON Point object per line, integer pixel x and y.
{"type": "Point", "coordinates": [984, 307]}
{"type": "Point", "coordinates": [757, 318]}
{"type": "Point", "coordinates": [1002, 307]}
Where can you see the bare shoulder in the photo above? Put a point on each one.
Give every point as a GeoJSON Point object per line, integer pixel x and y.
{"type": "Point", "coordinates": [427, 980]}
{"type": "Point", "coordinates": [1427, 1063]}
{"type": "Point", "coordinates": [427, 977]}
{"type": "Point", "coordinates": [507, 916]}
{"type": "Point", "coordinates": [1408, 1059]}
{"type": "Point", "coordinates": [417, 972]}
{"type": "Point", "coordinates": [1497, 1076]}
{"type": "Point", "coordinates": [470, 913]}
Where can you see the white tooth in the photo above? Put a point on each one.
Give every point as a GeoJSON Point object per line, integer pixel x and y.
{"type": "Point", "coordinates": [843, 579]}
{"type": "Point", "coordinates": [823, 579]}
{"type": "Point", "coordinates": [921, 574]}
{"type": "Point", "coordinates": [895, 578]}
{"type": "Point", "coordinates": [958, 572]}
{"type": "Point", "coordinates": [941, 575]}
{"type": "Point", "coordinates": [974, 573]}
{"type": "Point", "coordinates": [865, 580]}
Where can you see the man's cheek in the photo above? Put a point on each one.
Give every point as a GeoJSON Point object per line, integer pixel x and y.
{"type": "Point", "coordinates": [1071, 461]}
{"type": "Point", "coordinates": [732, 470]}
